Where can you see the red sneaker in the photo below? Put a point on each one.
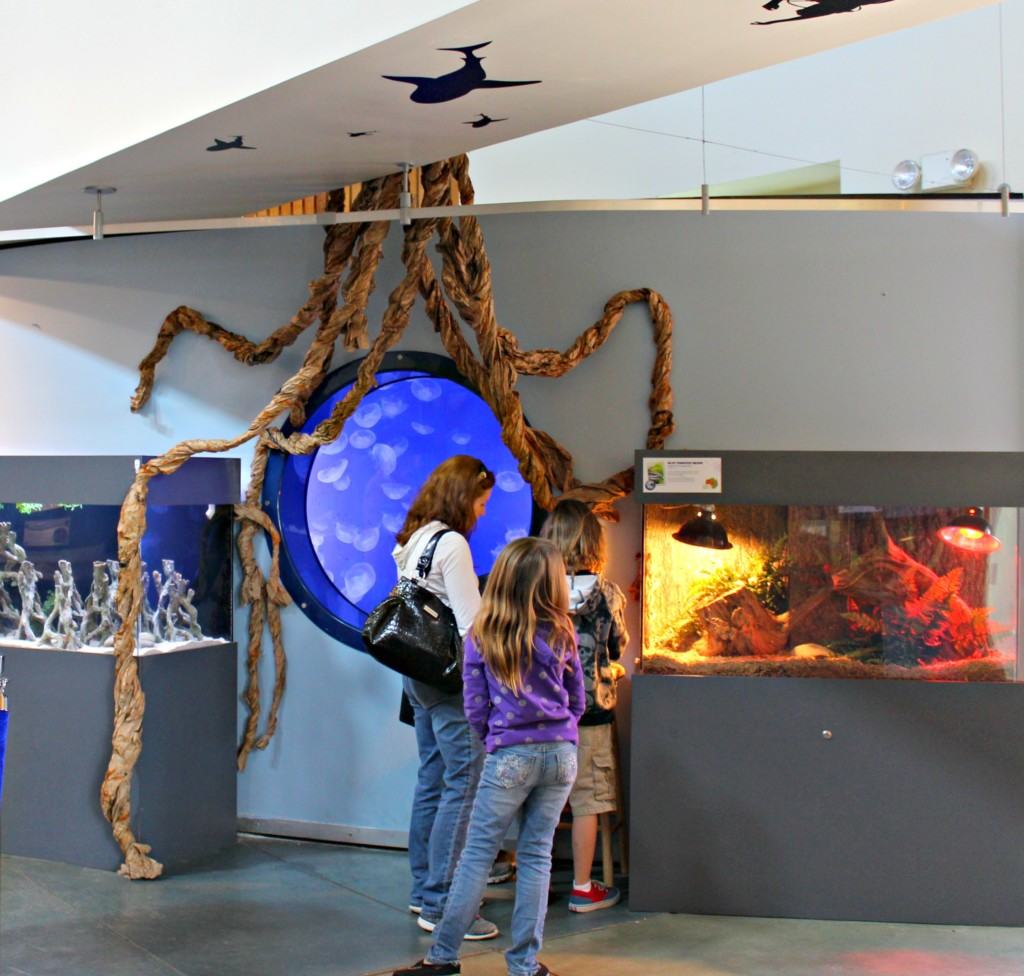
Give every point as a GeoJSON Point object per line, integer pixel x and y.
{"type": "Point", "coordinates": [599, 896]}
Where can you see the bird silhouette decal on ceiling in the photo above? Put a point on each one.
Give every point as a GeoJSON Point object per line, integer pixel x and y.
{"type": "Point", "coordinates": [483, 120]}
{"type": "Point", "coordinates": [455, 84]}
{"type": "Point", "coordinates": [219, 145]}
{"type": "Point", "coordinates": [806, 9]}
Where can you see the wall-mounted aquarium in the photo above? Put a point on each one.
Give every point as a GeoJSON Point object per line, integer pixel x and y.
{"type": "Point", "coordinates": [856, 575]}
{"type": "Point", "coordinates": [340, 507]}
{"type": "Point", "coordinates": [58, 553]}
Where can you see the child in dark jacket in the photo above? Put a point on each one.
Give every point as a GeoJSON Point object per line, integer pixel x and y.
{"type": "Point", "coordinates": [597, 606]}
{"type": "Point", "coordinates": [523, 693]}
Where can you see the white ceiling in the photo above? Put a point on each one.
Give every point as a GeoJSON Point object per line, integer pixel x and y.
{"type": "Point", "coordinates": [590, 57]}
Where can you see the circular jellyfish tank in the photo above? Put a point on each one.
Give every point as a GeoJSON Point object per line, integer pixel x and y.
{"type": "Point", "coordinates": [339, 508]}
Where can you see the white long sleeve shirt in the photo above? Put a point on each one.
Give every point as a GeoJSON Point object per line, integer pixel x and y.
{"type": "Point", "coordinates": [451, 576]}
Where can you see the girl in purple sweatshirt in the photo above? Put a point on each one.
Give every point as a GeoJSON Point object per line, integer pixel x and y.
{"type": "Point", "coordinates": [523, 692]}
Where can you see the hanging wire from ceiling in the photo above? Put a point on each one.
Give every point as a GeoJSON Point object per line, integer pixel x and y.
{"type": "Point", "coordinates": [727, 145]}
{"type": "Point", "coordinates": [705, 190]}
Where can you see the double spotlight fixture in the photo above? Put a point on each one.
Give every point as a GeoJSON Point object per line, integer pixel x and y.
{"type": "Point", "coordinates": [951, 170]}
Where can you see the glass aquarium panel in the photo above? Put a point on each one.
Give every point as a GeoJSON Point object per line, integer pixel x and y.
{"type": "Point", "coordinates": [59, 571]}
{"type": "Point", "coordinates": [340, 507]}
{"type": "Point", "coordinates": [832, 591]}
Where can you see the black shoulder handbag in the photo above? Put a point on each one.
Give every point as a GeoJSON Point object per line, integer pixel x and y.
{"type": "Point", "coordinates": [414, 633]}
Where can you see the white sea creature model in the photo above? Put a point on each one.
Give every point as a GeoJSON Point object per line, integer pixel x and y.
{"type": "Point", "coordinates": [425, 390]}
{"type": "Point", "coordinates": [393, 521]}
{"type": "Point", "coordinates": [386, 458]}
{"type": "Point", "coordinates": [395, 490]}
{"type": "Point", "coordinates": [345, 532]}
{"type": "Point", "coordinates": [362, 439]}
{"type": "Point", "coordinates": [358, 581]}
{"type": "Point", "coordinates": [368, 414]}
{"type": "Point", "coordinates": [510, 481]}
{"type": "Point", "coordinates": [329, 475]}
{"type": "Point", "coordinates": [366, 539]}
{"type": "Point", "coordinates": [393, 406]}
{"type": "Point", "coordinates": [336, 446]}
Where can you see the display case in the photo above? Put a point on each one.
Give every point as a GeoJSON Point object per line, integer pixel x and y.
{"type": "Point", "coordinates": [892, 799]}
{"type": "Point", "coordinates": [58, 615]}
{"type": "Point", "coordinates": [836, 591]}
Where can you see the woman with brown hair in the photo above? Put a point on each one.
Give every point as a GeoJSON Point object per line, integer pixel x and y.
{"type": "Point", "coordinates": [443, 514]}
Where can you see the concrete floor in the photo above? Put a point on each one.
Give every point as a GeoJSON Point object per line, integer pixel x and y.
{"type": "Point", "coordinates": [282, 908]}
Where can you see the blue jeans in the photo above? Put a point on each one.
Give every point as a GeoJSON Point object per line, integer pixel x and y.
{"type": "Point", "coordinates": [535, 779]}
{"type": "Point", "coordinates": [450, 759]}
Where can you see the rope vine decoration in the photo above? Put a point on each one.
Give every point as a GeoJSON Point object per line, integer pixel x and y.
{"type": "Point", "coordinates": [339, 307]}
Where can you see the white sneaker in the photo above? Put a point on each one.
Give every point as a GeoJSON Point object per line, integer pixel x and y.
{"type": "Point", "coordinates": [480, 929]}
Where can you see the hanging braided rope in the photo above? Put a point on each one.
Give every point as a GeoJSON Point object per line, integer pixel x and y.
{"type": "Point", "coordinates": [466, 282]}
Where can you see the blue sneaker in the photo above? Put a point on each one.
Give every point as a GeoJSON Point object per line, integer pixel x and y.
{"type": "Point", "coordinates": [599, 896]}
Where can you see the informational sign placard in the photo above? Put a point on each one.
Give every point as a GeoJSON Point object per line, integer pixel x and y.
{"type": "Point", "coordinates": [678, 475]}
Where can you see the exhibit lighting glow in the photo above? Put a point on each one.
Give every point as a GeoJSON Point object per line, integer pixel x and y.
{"type": "Point", "coordinates": [970, 532]}
{"type": "Point", "coordinates": [703, 530]}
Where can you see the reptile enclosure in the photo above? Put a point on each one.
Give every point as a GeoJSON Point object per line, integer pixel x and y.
{"type": "Point", "coordinates": [766, 780]}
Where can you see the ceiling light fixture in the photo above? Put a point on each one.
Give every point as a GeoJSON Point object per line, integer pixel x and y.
{"type": "Point", "coordinates": [970, 531]}
{"type": "Point", "coordinates": [97, 214]}
{"type": "Point", "coordinates": [704, 530]}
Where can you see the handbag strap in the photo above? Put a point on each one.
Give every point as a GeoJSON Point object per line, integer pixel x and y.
{"type": "Point", "coordinates": [425, 561]}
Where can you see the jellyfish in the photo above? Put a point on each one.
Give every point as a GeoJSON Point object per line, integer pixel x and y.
{"type": "Point", "coordinates": [393, 521]}
{"type": "Point", "coordinates": [357, 581]}
{"type": "Point", "coordinates": [392, 406]}
{"type": "Point", "coordinates": [362, 439]}
{"type": "Point", "coordinates": [368, 414]}
{"type": "Point", "coordinates": [400, 446]}
{"type": "Point", "coordinates": [394, 490]}
{"type": "Point", "coordinates": [423, 429]}
{"type": "Point", "coordinates": [461, 437]}
{"type": "Point", "coordinates": [343, 483]}
{"type": "Point", "coordinates": [386, 458]}
{"type": "Point", "coordinates": [514, 534]}
{"type": "Point", "coordinates": [330, 475]}
{"type": "Point", "coordinates": [336, 446]}
{"type": "Point", "coordinates": [425, 390]}
{"type": "Point", "coordinates": [345, 532]}
{"type": "Point", "coordinates": [509, 481]}
{"type": "Point", "coordinates": [366, 539]}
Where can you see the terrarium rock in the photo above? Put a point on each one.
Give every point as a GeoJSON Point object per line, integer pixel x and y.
{"type": "Point", "coordinates": [11, 553]}
{"type": "Point", "coordinates": [28, 578]}
{"type": "Point", "coordinates": [736, 624]}
{"type": "Point", "coordinates": [62, 625]}
{"type": "Point", "coordinates": [101, 620]}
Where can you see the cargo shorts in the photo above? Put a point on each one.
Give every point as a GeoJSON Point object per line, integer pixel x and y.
{"type": "Point", "coordinates": [594, 790]}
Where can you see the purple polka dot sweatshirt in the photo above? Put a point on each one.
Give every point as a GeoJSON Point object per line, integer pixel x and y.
{"type": "Point", "coordinates": [546, 710]}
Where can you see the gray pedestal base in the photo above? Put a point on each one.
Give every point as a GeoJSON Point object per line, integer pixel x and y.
{"type": "Point", "coordinates": [184, 787]}
{"type": "Point", "coordinates": [912, 810]}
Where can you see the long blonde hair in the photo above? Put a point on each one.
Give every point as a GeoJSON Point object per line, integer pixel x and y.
{"type": "Point", "coordinates": [577, 533]}
{"type": "Point", "coordinates": [448, 495]}
{"type": "Point", "coordinates": [526, 592]}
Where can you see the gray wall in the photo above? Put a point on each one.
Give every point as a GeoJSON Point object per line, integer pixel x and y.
{"type": "Point", "coordinates": [813, 332]}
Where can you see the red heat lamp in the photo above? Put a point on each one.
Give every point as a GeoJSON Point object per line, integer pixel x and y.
{"type": "Point", "coordinates": [970, 532]}
{"type": "Point", "coordinates": [703, 530]}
